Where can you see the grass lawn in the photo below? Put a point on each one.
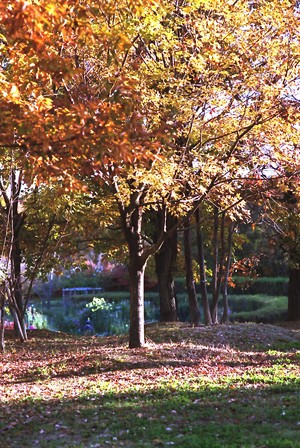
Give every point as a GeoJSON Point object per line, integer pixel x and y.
{"type": "Point", "coordinates": [224, 386]}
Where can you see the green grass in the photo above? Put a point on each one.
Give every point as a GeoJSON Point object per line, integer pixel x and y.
{"type": "Point", "coordinates": [192, 414]}
{"type": "Point", "coordinates": [188, 388]}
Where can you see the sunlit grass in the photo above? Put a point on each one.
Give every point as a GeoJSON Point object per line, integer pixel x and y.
{"type": "Point", "coordinates": [76, 392]}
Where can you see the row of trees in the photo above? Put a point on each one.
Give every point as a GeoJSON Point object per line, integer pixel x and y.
{"type": "Point", "coordinates": [145, 116]}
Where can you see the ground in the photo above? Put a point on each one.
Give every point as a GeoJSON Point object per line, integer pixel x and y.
{"type": "Point", "coordinates": [222, 386]}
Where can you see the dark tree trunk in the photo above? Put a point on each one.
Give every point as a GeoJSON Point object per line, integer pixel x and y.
{"type": "Point", "coordinates": [225, 317]}
{"type": "Point", "coordinates": [136, 274]}
{"type": "Point", "coordinates": [166, 288]}
{"type": "Point", "coordinates": [215, 296]}
{"type": "Point", "coordinates": [219, 261]}
{"type": "Point", "coordinates": [164, 264]}
{"type": "Point", "coordinates": [16, 291]}
{"type": "Point", "coordinates": [201, 262]}
{"type": "Point", "coordinates": [294, 294]}
{"type": "Point", "coordinates": [136, 267]}
{"type": "Point", "coordinates": [17, 222]}
{"type": "Point", "coordinates": [132, 219]}
{"type": "Point", "coordinates": [190, 283]}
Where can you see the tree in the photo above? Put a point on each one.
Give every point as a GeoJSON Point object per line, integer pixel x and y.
{"type": "Point", "coordinates": [280, 211]}
{"type": "Point", "coordinates": [208, 102]}
{"type": "Point", "coordinates": [200, 85]}
{"type": "Point", "coordinates": [39, 225]}
{"type": "Point", "coordinates": [55, 115]}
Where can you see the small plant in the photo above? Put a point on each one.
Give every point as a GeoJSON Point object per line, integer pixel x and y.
{"type": "Point", "coordinates": [99, 304]}
{"type": "Point", "coordinates": [36, 319]}
{"type": "Point", "coordinates": [103, 317]}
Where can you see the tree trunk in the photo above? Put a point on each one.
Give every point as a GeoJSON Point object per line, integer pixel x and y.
{"type": "Point", "coordinates": [136, 332]}
{"type": "Point", "coordinates": [15, 221]}
{"type": "Point", "coordinates": [215, 296]}
{"type": "Point", "coordinates": [132, 218]}
{"type": "Point", "coordinates": [19, 324]}
{"type": "Point", "coordinates": [294, 294]}
{"type": "Point", "coordinates": [190, 283]}
{"type": "Point", "coordinates": [2, 313]}
{"type": "Point", "coordinates": [201, 262]}
{"type": "Point", "coordinates": [16, 289]}
{"type": "Point", "coordinates": [164, 265]}
{"type": "Point", "coordinates": [219, 262]}
{"type": "Point", "coordinates": [225, 317]}
{"type": "Point", "coordinates": [166, 288]}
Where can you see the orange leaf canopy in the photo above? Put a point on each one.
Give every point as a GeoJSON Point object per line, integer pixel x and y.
{"type": "Point", "coordinates": [51, 111]}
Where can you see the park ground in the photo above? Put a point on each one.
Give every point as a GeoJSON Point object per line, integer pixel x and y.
{"type": "Point", "coordinates": [234, 386]}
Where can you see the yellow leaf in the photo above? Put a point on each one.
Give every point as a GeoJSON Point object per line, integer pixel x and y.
{"type": "Point", "coordinates": [14, 92]}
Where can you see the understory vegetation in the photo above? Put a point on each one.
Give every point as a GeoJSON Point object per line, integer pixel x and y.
{"type": "Point", "coordinates": [113, 316]}
{"type": "Point", "coordinates": [261, 300]}
{"type": "Point", "coordinates": [224, 386]}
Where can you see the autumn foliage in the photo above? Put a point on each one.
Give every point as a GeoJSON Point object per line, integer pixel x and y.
{"type": "Point", "coordinates": [162, 105]}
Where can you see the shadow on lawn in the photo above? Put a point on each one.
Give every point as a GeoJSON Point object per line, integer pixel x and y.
{"type": "Point", "coordinates": [144, 362]}
{"type": "Point", "coordinates": [191, 388]}
{"type": "Point", "coordinates": [186, 417]}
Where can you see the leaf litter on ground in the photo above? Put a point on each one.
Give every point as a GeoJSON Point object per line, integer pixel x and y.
{"type": "Point", "coordinates": [54, 374]}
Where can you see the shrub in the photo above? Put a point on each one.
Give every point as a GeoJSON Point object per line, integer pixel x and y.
{"type": "Point", "coordinates": [107, 318]}
{"type": "Point", "coordinates": [272, 286]}
{"type": "Point", "coordinates": [258, 308]}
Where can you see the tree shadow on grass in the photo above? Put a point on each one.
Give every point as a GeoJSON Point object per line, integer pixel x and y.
{"type": "Point", "coordinates": [184, 415]}
{"type": "Point", "coordinates": [199, 360]}
{"type": "Point", "coordinates": [49, 355]}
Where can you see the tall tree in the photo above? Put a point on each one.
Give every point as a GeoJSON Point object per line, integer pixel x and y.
{"type": "Point", "coordinates": [118, 85]}
{"type": "Point", "coordinates": [39, 224]}
{"type": "Point", "coordinates": [233, 80]}
{"type": "Point", "coordinates": [281, 210]}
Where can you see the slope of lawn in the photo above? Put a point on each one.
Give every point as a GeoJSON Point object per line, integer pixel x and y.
{"type": "Point", "coordinates": [224, 386]}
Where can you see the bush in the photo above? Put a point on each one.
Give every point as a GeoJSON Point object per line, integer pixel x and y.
{"type": "Point", "coordinates": [107, 318]}
{"type": "Point", "coordinates": [272, 286]}
{"type": "Point", "coordinates": [63, 323]}
{"type": "Point", "coordinates": [243, 308]}
{"type": "Point", "coordinates": [258, 308]}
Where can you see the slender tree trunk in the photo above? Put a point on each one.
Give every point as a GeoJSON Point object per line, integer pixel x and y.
{"type": "Point", "coordinates": [2, 330]}
{"type": "Point", "coordinates": [15, 222]}
{"type": "Point", "coordinates": [215, 297]}
{"type": "Point", "coordinates": [294, 294]}
{"type": "Point", "coordinates": [164, 264]}
{"type": "Point", "coordinates": [17, 290]}
{"type": "Point", "coordinates": [132, 218]}
{"type": "Point", "coordinates": [19, 323]}
{"type": "Point", "coordinates": [201, 262]}
{"type": "Point", "coordinates": [225, 317]}
{"type": "Point", "coordinates": [166, 287]}
{"type": "Point", "coordinates": [190, 283]}
{"type": "Point", "coordinates": [219, 263]}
